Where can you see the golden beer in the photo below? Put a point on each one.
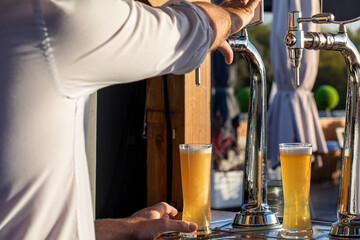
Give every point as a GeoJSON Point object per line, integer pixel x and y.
{"type": "Point", "coordinates": [344, 183]}
{"type": "Point", "coordinates": [195, 160]}
{"type": "Point", "coordinates": [295, 159]}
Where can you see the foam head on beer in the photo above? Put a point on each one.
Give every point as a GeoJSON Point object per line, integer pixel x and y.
{"type": "Point", "coordinates": [195, 149]}
{"type": "Point", "coordinates": [294, 149]}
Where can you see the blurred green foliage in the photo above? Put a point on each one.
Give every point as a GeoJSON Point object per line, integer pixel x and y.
{"type": "Point", "coordinates": [326, 97]}
{"type": "Point", "coordinates": [242, 97]}
{"type": "Point", "coordinates": [332, 67]}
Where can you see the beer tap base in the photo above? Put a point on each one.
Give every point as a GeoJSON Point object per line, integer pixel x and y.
{"type": "Point", "coordinates": [250, 218]}
{"type": "Point", "coordinates": [350, 229]}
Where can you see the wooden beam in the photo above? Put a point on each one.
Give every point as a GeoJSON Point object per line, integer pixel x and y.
{"type": "Point", "coordinates": [189, 109]}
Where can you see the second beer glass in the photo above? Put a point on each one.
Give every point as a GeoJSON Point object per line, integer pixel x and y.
{"type": "Point", "coordinates": [195, 160]}
{"type": "Point", "coordinates": [295, 159]}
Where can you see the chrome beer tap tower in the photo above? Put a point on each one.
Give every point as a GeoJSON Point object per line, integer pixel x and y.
{"type": "Point", "coordinates": [254, 209]}
{"type": "Point", "coordinates": [348, 211]}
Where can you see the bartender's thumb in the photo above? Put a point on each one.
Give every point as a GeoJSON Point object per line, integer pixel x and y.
{"type": "Point", "coordinates": [177, 226]}
{"type": "Point", "coordinates": [181, 226]}
{"type": "Point", "coordinates": [227, 52]}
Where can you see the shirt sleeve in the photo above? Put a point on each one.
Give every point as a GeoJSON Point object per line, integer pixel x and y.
{"type": "Point", "coordinates": [100, 43]}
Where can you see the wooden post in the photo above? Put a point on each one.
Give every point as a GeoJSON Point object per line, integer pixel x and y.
{"type": "Point", "coordinates": [189, 114]}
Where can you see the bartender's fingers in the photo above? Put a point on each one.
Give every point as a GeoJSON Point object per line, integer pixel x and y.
{"type": "Point", "coordinates": [164, 208]}
{"type": "Point", "coordinates": [241, 13]}
{"type": "Point", "coordinates": [246, 5]}
{"type": "Point", "coordinates": [180, 226]}
{"type": "Point", "coordinates": [252, 4]}
{"type": "Point", "coordinates": [176, 225]}
{"type": "Point", "coordinates": [156, 211]}
{"type": "Point", "coordinates": [227, 52]}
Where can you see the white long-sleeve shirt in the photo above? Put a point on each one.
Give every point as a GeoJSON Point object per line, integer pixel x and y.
{"type": "Point", "coordinates": [53, 54]}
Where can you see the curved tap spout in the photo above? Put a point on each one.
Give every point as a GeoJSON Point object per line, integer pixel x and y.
{"type": "Point", "coordinates": [254, 209]}
{"type": "Point", "coordinates": [348, 223]}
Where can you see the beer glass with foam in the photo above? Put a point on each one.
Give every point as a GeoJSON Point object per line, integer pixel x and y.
{"type": "Point", "coordinates": [295, 159]}
{"type": "Point", "coordinates": [195, 161]}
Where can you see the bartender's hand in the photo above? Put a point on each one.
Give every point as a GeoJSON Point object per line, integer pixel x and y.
{"type": "Point", "coordinates": [226, 19]}
{"type": "Point", "coordinates": [147, 223]}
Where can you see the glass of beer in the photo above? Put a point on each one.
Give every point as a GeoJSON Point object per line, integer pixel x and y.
{"type": "Point", "coordinates": [295, 159]}
{"type": "Point", "coordinates": [195, 161]}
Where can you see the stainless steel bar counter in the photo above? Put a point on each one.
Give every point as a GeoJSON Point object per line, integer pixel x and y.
{"type": "Point", "coordinates": [221, 224]}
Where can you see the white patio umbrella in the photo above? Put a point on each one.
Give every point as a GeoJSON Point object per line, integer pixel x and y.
{"type": "Point", "coordinates": [293, 114]}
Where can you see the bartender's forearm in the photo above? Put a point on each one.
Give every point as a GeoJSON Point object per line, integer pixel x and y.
{"type": "Point", "coordinates": [219, 20]}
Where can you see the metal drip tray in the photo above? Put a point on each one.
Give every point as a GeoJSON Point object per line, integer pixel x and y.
{"type": "Point", "coordinates": [266, 232]}
{"type": "Point", "coordinates": [222, 229]}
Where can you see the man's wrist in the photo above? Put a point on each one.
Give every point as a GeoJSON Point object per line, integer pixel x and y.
{"type": "Point", "coordinates": [219, 20]}
{"type": "Point", "coordinates": [114, 229]}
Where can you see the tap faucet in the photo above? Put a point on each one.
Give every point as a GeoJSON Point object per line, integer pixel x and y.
{"type": "Point", "coordinates": [348, 210]}
{"type": "Point", "coordinates": [254, 209]}
{"type": "Point", "coordinates": [295, 32]}
{"type": "Point", "coordinates": [295, 38]}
